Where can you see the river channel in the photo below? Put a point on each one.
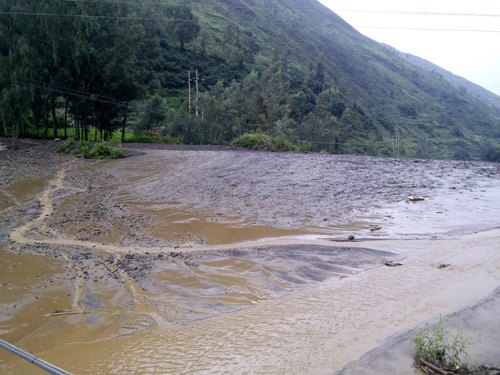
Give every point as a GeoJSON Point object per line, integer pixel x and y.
{"type": "Point", "coordinates": [196, 261]}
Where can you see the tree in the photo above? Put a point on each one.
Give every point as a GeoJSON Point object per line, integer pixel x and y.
{"type": "Point", "coordinates": [153, 116]}
{"type": "Point", "coordinates": [247, 99]}
{"type": "Point", "coordinates": [274, 94]}
{"type": "Point", "coordinates": [219, 115]}
{"type": "Point", "coordinates": [185, 25]}
{"type": "Point", "coordinates": [15, 95]}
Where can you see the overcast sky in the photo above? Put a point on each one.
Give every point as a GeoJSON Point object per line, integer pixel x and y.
{"type": "Point", "coordinates": [472, 55]}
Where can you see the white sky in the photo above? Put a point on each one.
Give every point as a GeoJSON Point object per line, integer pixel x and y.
{"type": "Point", "coordinates": [472, 55]}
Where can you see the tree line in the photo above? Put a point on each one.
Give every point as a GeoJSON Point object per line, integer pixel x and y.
{"type": "Point", "coordinates": [90, 58]}
{"type": "Point", "coordinates": [86, 65]}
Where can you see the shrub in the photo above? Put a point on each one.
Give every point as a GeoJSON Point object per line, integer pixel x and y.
{"type": "Point", "coordinates": [83, 149]}
{"type": "Point", "coordinates": [100, 151]}
{"type": "Point", "coordinates": [265, 142]}
{"type": "Point", "coordinates": [445, 347]}
{"type": "Point", "coordinates": [67, 147]}
{"type": "Point", "coordinates": [281, 144]}
{"type": "Point", "coordinates": [106, 151]}
{"type": "Point", "coordinates": [306, 147]}
{"type": "Point", "coordinates": [247, 140]}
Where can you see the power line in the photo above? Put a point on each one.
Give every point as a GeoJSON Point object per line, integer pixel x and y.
{"type": "Point", "coordinates": [416, 13]}
{"type": "Point", "coordinates": [95, 16]}
{"type": "Point", "coordinates": [427, 29]}
{"type": "Point", "coordinates": [80, 94]}
{"type": "Point", "coordinates": [195, 21]}
{"type": "Point", "coordinates": [196, 5]}
{"type": "Point", "coordinates": [203, 5]}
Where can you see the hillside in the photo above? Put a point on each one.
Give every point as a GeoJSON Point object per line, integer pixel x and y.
{"type": "Point", "coordinates": [473, 89]}
{"type": "Point", "coordinates": [290, 68]}
{"type": "Point", "coordinates": [377, 93]}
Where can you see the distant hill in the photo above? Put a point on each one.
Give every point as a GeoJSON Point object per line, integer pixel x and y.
{"type": "Point", "coordinates": [473, 89]}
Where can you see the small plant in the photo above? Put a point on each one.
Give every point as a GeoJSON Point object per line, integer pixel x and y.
{"type": "Point", "coordinates": [444, 347]}
{"type": "Point", "coordinates": [106, 151]}
{"type": "Point", "coordinates": [281, 143]}
{"type": "Point", "coordinates": [67, 147]}
{"type": "Point", "coordinates": [247, 140]}
{"type": "Point", "coordinates": [100, 151]}
{"type": "Point", "coordinates": [83, 149]}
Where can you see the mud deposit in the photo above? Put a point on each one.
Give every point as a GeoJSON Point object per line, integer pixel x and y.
{"type": "Point", "coordinates": [209, 260]}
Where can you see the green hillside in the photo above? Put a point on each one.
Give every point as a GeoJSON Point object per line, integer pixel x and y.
{"type": "Point", "coordinates": [473, 89]}
{"type": "Point", "coordinates": [292, 69]}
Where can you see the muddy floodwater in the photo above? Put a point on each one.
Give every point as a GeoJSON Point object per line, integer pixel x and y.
{"type": "Point", "coordinates": [204, 260]}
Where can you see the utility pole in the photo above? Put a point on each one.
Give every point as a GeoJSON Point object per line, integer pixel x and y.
{"type": "Point", "coordinates": [189, 89]}
{"type": "Point", "coordinates": [397, 143]}
{"type": "Point", "coordinates": [197, 91]}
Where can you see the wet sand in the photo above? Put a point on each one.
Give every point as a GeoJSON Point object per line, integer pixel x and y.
{"type": "Point", "coordinates": [198, 260]}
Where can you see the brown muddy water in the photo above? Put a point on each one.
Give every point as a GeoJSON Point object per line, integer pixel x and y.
{"type": "Point", "coordinates": [223, 262]}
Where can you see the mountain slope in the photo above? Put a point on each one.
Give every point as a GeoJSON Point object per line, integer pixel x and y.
{"type": "Point", "coordinates": [473, 89]}
{"type": "Point", "coordinates": [387, 95]}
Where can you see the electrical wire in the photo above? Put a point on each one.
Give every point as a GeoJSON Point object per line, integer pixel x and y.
{"type": "Point", "coordinates": [81, 94]}
{"type": "Point", "coordinates": [195, 21]}
{"type": "Point", "coordinates": [416, 13]}
{"type": "Point", "coordinates": [96, 16]}
{"type": "Point", "coordinates": [204, 5]}
{"type": "Point", "coordinates": [193, 5]}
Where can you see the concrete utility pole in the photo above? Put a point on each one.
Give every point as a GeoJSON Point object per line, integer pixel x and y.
{"type": "Point", "coordinates": [189, 89]}
{"type": "Point", "coordinates": [197, 91]}
{"type": "Point", "coordinates": [398, 143]}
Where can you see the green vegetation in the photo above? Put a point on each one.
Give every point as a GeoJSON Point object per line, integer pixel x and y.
{"type": "Point", "coordinates": [289, 69]}
{"type": "Point", "coordinates": [67, 147]}
{"type": "Point", "coordinates": [445, 347]}
{"type": "Point", "coordinates": [107, 151]}
{"type": "Point", "coordinates": [265, 142]}
{"type": "Point", "coordinates": [167, 139]}
{"type": "Point", "coordinates": [99, 151]}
